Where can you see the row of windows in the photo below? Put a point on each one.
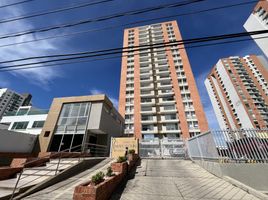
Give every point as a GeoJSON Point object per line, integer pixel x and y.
{"type": "Point", "coordinates": [23, 125]}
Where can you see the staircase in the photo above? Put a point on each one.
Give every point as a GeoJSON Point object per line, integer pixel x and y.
{"type": "Point", "coordinates": [35, 175]}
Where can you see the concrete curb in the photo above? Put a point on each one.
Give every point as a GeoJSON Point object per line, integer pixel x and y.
{"type": "Point", "coordinates": [246, 188]}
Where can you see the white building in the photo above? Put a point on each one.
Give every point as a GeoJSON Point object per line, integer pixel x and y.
{"type": "Point", "coordinates": [258, 20]}
{"type": "Point", "coordinates": [238, 90]}
{"type": "Point", "coordinates": [26, 120]}
{"type": "Point", "coordinates": [10, 101]}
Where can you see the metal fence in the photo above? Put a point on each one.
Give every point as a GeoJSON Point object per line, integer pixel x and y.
{"type": "Point", "coordinates": [230, 145]}
{"type": "Point", "coordinates": [162, 148]}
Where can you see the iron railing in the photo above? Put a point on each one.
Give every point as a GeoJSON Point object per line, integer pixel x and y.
{"type": "Point", "coordinates": [79, 152]}
{"type": "Point", "coordinates": [250, 145]}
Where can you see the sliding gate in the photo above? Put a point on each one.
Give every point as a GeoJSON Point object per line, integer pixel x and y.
{"type": "Point", "coordinates": [162, 148]}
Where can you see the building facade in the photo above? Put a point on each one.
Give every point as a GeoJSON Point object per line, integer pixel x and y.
{"type": "Point", "coordinates": [10, 101]}
{"type": "Point", "coordinates": [238, 90]}
{"type": "Point", "coordinates": [158, 95]}
{"type": "Point", "coordinates": [77, 121]}
{"type": "Point", "coordinates": [26, 119]}
{"type": "Point", "coordinates": [258, 20]}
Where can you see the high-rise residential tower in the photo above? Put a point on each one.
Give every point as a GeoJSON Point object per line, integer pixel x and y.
{"type": "Point", "coordinates": [238, 90]}
{"type": "Point", "coordinates": [258, 20]}
{"type": "Point", "coordinates": [11, 101]}
{"type": "Point", "coordinates": [158, 94]}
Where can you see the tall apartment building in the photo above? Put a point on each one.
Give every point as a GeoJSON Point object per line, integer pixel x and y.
{"type": "Point", "coordinates": [258, 20]}
{"type": "Point", "coordinates": [10, 101]}
{"type": "Point", "coordinates": [158, 94]}
{"type": "Point", "coordinates": [238, 90]}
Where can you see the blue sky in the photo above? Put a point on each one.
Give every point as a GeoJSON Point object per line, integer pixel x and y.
{"type": "Point", "coordinates": [104, 76]}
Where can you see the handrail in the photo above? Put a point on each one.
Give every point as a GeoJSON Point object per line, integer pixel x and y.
{"type": "Point", "coordinates": [58, 163]}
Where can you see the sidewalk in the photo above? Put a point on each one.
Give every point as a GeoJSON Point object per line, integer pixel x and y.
{"type": "Point", "coordinates": [178, 179]}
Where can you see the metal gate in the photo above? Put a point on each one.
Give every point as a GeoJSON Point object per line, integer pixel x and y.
{"type": "Point", "coordinates": [162, 148]}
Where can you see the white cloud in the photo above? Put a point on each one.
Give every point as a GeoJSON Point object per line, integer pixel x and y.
{"type": "Point", "coordinates": [95, 91]}
{"type": "Point", "coordinates": [42, 77]}
{"type": "Point", "coordinates": [211, 117]}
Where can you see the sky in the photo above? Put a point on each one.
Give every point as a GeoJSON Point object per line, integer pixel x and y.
{"type": "Point", "coordinates": [103, 76]}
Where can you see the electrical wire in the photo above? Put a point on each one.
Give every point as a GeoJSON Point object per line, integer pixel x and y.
{"type": "Point", "coordinates": [113, 57]}
{"type": "Point", "coordinates": [128, 24]}
{"type": "Point", "coordinates": [133, 49]}
{"type": "Point", "coordinates": [16, 3]}
{"type": "Point", "coordinates": [48, 12]}
{"type": "Point", "coordinates": [104, 18]}
{"type": "Point", "coordinates": [141, 47]}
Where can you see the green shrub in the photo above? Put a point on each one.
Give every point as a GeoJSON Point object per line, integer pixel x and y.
{"type": "Point", "coordinates": [109, 172]}
{"type": "Point", "coordinates": [121, 159]}
{"type": "Point", "coordinates": [131, 151]}
{"type": "Point", "coordinates": [97, 178]}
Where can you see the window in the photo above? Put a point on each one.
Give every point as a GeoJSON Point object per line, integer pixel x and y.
{"type": "Point", "coordinates": [73, 117]}
{"type": "Point", "coordinates": [172, 127]}
{"type": "Point", "coordinates": [170, 117]}
{"type": "Point", "coordinates": [47, 133]}
{"type": "Point", "coordinates": [19, 125]}
{"type": "Point", "coordinates": [38, 124]}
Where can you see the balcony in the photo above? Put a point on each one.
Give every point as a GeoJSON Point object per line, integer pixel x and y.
{"type": "Point", "coordinates": [165, 92]}
{"type": "Point", "coordinates": [167, 109]}
{"type": "Point", "coordinates": [148, 110]}
{"type": "Point", "coordinates": [163, 71]}
{"type": "Point", "coordinates": [146, 73]}
{"type": "Point", "coordinates": [165, 119]}
{"type": "Point", "coordinates": [148, 119]}
{"type": "Point", "coordinates": [163, 77]}
{"type": "Point", "coordinates": [164, 85]}
{"type": "Point", "coordinates": [166, 101]}
{"type": "Point", "coordinates": [147, 86]}
{"type": "Point", "coordinates": [149, 129]}
{"type": "Point", "coordinates": [146, 93]}
{"type": "Point", "coordinates": [149, 101]}
{"type": "Point", "coordinates": [146, 79]}
{"type": "Point", "coordinates": [167, 129]}
{"type": "Point", "coordinates": [145, 67]}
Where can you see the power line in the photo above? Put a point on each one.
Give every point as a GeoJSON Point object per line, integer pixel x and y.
{"type": "Point", "coordinates": [17, 3]}
{"type": "Point", "coordinates": [47, 12]}
{"type": "Point", "coordinates": [107, 58]}
{"type": "Point", "coordinates": [135, 48]}
{"type": "Point", "coordinates": [128, 24]}
{"type": "Point", "coordinates": [105, 52]}
{"type": "Point", "coordinates": [104, 18]}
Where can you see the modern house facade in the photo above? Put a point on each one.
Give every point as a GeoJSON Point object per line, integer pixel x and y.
{"type": "Point", "coordinates": [77, 121]}
{"type": "Point", "coordinates": [257, 21]}
{"type": "Point", "coordinates": [238, 90]}
{"type": "Point", "coordinates": [158, 94]}
{"type": "Point", "coordinates": [10, 101]}
{"type": "Point", "coordinates": [26, 119]}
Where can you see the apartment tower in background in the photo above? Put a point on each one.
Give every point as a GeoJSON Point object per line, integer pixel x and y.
{"type": "Point", "coordinates": [257, 21]}
{"type": "Point", "coordinates": [10, 101]}
{"type": "Point", "coordinates": [238, 90]}
{"type": "Point", "coordinates": [158, 93]}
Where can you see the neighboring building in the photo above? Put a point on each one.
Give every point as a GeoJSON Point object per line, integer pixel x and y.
{"type": "Point", "coordinates": [258, 20]}
{"type": "Point", "coordinates": [11, 101]}
{"type": "Point", "coordinates": [238, 90]}
{"type": "Point", "coordinates": [73, 121]}
{"type": "Point", "coordinates": [26, 119]}
{"type": "Point", "coordinates": [158, 93]}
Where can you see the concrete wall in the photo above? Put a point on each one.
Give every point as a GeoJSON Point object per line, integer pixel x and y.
{"type": "Point", "coordinates": [15, 142]}
{"type": "Point", "coordinates": [254, 175]}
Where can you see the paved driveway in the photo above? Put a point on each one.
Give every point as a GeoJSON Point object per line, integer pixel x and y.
{"type": "Point", "coordinates": [178, 179]}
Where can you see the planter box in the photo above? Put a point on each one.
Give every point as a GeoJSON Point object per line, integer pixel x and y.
{"type": "Point", "coordinates": [102, 191]}
{"type": "Point", "coordinates": [132, 159]}
{"type": "Point", "coordinates": [119, 167]}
